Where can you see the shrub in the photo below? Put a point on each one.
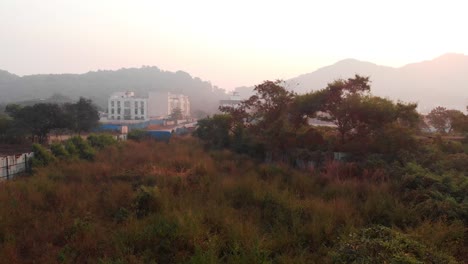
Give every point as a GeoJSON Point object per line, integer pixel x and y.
{"type": "Point", "coordinates": [379, 244]}
{"type": "Point", "coordinates": [84, 149]}
{"type": "Point", "coordinates": [137, 134]}
{"type": "Point", "coordinates": [59, 150]}
{"type": "Point", "coordinates": [42, 157]}
{"type": "Point", "coordinates": [101, 140]}
{"type": "Point", "coordinates": [146, 201]}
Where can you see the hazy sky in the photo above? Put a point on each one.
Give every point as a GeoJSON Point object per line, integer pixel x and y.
{"type": "Point", "coordinates": [230, 43]}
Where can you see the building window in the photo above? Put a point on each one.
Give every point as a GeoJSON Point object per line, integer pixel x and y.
{"type": "Point", "coordinates": [142, 111]}
{"type": "Point", "coordinates": [118, 111]}
{"type": "Point", "coordinates": [118, 103]}
{"type": "Point", "coordinates": [127, 104]}
{"type": "Point", "coordinates": [112, 103]}
{"type": "Point", "coordinates": [136, 111]}
{"type": "Point", "coordinates": [112, 111]}
{"type": "Point", "coordinates": [118, 117]}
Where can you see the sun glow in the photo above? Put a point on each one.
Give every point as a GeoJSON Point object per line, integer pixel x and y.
{"type": "Point", "coordinates": [230, 43]}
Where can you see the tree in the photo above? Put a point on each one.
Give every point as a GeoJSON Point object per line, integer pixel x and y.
{"type": "Point", "coordinates": [341, 102]}
{"type": "Point", "coordinates": [447, 120]}
{"type": "Point", "coordinates": [266, 116]}
{"type": "Point", "coordinates": [82, 116]}
{"type": "Point", "coordinates": [38, 119]}
{"type": "Point", "coordinates": [360, 118]}
{"type": "Point", "coordinates": [459, 121]}
{"type": "Point", "coordinates": [438, 118]}
{"type": "Point", "coordinates": [176, 114]}
{"type": "Point", "coordinates": [215, 130]}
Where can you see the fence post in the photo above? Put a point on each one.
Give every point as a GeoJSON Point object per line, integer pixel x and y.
{"type": "Point", "coordinates": [7, 169]}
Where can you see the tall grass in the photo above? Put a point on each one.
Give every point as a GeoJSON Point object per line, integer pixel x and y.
{"type": "Point", "coordinates": [149, 202]}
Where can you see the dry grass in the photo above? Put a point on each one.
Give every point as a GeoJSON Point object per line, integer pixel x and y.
{"type": "Point", "coordinates": [149, 201]}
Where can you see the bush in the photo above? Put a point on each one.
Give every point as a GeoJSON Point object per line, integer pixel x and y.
{"type": "Point", "coordinates": [379, 244]}
{"type": "Point", "coordinates": [42, 157]}
{"type": "Point", "coordinates": [59, 150]}
{"type": "Point", "coordinates": [146, 201]}
{"type": "Point", "coordinates": [137, 134]}
{"type": "Point", "coordinates": [84, 149]}
{"type": "Point", "coordinates": [101, 141]}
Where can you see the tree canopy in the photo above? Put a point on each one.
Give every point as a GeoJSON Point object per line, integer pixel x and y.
{"type": "Point", "coordinates": [278, 121]}
{"type": "Point", "coordinates": [40, 119]}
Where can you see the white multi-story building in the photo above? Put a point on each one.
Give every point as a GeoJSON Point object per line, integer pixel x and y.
{"type": "Point", "coordinates": [178, 101]}
{"type": "Point", "coordinates": [234, 100]}
{"type": "Point", "coordinates": [162, 104]}
{"type": "Point", "coordinates": [125, 106]}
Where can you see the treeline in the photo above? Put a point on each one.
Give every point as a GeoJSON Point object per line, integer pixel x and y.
{"type": "Point", "coordinates": [275, 124]}
{"type": "Point", "coordinates": [39, 120]}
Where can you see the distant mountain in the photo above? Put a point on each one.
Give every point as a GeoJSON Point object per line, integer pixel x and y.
{"type": "Point", "coordinates": [100, 85]}
{"type": "Point", "coordinates": [442, 81]}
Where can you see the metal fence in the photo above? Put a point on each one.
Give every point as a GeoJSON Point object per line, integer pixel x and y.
{"type": "Point", "coordinates": [12, 165]}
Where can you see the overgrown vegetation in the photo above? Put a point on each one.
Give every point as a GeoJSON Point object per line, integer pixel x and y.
{"type": "Point", "coordinates": [150, 202]}
{"type": "Point", "coordinates": [258, 184]}
{"type": "Point", "coordinates": [74, 148]}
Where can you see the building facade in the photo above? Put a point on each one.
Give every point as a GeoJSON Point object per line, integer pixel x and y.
{"type": "Point", "coordinates": [233, 101]}
{"type": "Point", "coordinates": [125, 106]}
{"type": "Point", "coordinates": [178, 101]}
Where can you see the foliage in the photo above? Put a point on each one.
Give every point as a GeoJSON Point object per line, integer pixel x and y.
{"type": "Point", "coordinates": [101, 141]}
{"type": "Point", "coordinates": [84, 149]}
{"type": "Point", "coordinates": [40, 119]}
{"type": "Point", "coordinates": [380, 244]}
{"type": "Point", "coordinates": [59, 151]}
{"type": "Point", "coordinates": [42, 157]}
{"type": "Point", "coordinates": [137, 134]}
{"type": "Point", "coordinates": [447, 120]}
{"type": "Point", "coordinates": [149, 202]}
{"type": "Point", "coordinates": [274, 122]}
{"type": "Point", "coordinates": [82, 115]}
{"type": "Point", "coordinates": [215, 130]}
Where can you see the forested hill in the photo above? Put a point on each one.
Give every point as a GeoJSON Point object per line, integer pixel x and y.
{"type": "Point", "coordinates": [100, 84]}
{"type": "Point", "coordinates": [442, 81]}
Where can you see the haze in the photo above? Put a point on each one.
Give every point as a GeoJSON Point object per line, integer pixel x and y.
{"type": "Point", "coordinates": [231, 43]}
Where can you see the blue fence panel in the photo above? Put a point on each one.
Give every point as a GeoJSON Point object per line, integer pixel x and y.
{"type": "Point", "coordinates": [160, 135]}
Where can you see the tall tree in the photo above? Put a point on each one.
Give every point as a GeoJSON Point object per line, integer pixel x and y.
{"type": "Point", "coordinates": [38, 119]}
{"type": "Point", "coordinates": [82, 115]}
{"type": "Point", "coordinates": [446, 120]}
{"type": "Point", "coordinates": [342, 100]}
{"type": "Point", "coordinates": [266, 115]}
{"type": "Point", "coordinates": [438, 118]}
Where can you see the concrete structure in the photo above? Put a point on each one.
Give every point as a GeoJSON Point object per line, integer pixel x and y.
{"type": "Point", "coordinates": [234, 100]}
{"type": "Point", "coordinates": [178, 101]}
{"type": "Point", "coordinates": [12, 165]}
{"type": "Point", "coordinates": [161, 104]}
{"type": "Point", "coordinates": [125, 106]}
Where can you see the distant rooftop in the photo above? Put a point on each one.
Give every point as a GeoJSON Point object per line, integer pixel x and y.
{"type": "Point", "coordinates": [127, 94]}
